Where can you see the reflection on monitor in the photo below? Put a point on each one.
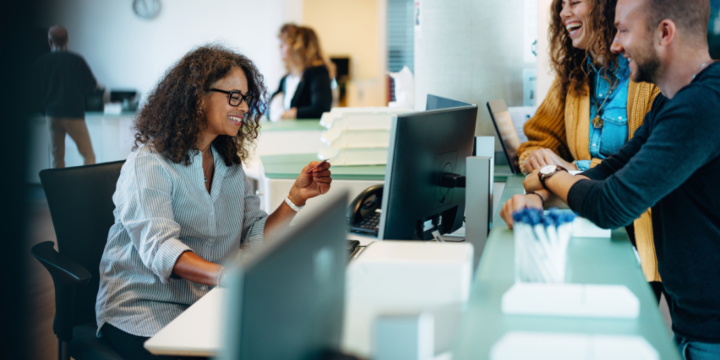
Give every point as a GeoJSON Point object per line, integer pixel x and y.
{"type": "Point", "coordinates": [288, 301]}
{"type": "Point", "coordinates": [425, 149]}
{"type": "Point", "coordinates": [506, 132]}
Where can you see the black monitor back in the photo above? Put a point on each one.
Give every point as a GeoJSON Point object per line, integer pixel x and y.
{"type": "Point", "coordinates": [288, 301]}
{"type": "Point", "coordinates": [435, 102]}
{"type": "Point", "coordinates": [423, 147]}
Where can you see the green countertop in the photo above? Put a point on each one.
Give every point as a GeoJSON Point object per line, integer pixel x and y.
{"type": "Point", "coordinates": [288, 167]}
{"type": "Point", "coordinates": [594, 261]}
{"type": "Point", "coordinates": [292, 125]}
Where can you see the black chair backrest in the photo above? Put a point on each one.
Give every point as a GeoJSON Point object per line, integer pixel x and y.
{"type": "Point", "coordinates": [81, 207]}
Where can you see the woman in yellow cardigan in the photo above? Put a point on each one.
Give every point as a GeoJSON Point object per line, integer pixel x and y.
{"type": "Point", "coordinates": [592, 108]}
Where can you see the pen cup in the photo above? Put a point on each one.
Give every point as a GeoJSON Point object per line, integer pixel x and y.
{"type": "Point", "coordinates": [541, 245]}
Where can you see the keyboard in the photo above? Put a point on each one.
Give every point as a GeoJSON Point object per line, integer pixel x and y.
{"type": "Point", "coordinates": [368, 225]}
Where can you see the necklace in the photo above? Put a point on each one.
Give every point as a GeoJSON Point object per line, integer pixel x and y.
{"type": "Point", "coordinates": [702, 67]}
{"type": "Point", "coordinates": [598, 122]}
{"type": "Point", "coordinates": [205, 172]}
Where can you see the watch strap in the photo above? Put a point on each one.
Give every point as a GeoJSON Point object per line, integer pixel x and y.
{"type": "Point", "coordinates": [544, 177]}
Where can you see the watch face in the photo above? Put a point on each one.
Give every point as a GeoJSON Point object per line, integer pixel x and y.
{"type": "Point", "coordinates": [548, 169]}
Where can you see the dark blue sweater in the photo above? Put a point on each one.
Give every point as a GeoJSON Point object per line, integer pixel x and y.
{"type": "Point", "coordinates": [672, 164]}
{"type": "Point", "coordinates": [62, 80]}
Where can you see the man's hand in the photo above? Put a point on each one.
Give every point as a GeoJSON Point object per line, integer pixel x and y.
{"type": "Point", "coordinates": [517, 203]}
{"type": "Point", "coordinates": [311, 184]}
{"type": "Point", "coordinates": [542, 157]}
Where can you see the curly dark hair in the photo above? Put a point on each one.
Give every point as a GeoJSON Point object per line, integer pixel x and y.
{"type": "Point", "coordinates": [173, 118]}
{"type": "Point", "coordinates": [569, 62]}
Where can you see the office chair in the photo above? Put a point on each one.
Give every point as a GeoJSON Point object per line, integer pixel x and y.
{"type": "Point", "coordinates": [81, 207]}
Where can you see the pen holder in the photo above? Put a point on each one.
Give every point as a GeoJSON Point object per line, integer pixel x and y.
{"type": "Point", "coordinates": [541, 245]}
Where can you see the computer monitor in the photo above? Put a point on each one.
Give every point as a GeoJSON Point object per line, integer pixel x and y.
{"type": "Point", "coordinates": [506, 132]}
{"type": "Point", "coordinates": [435, 102]}
{"type": "Point", "coordinates": [424, 147]}
{"type": "Point", "coordinates": [287, 302]}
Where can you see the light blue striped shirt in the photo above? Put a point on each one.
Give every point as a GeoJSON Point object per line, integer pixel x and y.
{"type": "Point", "coordinates": [163, 209]}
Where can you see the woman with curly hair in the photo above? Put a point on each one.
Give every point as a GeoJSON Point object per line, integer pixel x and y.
{"type": "Point", "coordinates": [183, 203]}
{"type": "Point", "coordinates": [306, 89]}
{"type": "Point", "coordinates": [593, 107]}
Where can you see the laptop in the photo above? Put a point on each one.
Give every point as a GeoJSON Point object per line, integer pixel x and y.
{"type": "Point", "coordinates": [505, 132]}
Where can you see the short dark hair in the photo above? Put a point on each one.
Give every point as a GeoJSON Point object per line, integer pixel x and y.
{"type": "Point", "coordinates": [58, 35]}
{"type": "Point", "coordinates": [690, 16]}
{"type": "Point", "coordinates": [172, 119]}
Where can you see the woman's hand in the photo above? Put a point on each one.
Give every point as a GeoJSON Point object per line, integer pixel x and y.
{"type": "Point", "coordinates": [311, 183]}
{"type": "Point", "coordinates": [290, 114]}
{"type": "Point", "coordinates": [542, 157]}
{"type": "Point", "coordinates": [519, 202]}
{"type": "Point", "coordinates": [532, 182]}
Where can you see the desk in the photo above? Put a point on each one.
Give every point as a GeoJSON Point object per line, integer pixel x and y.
{"type": "Point", "coordinates": [597, 261]}
{"type": "Point", "coordinates": [112, 139]}
{"type": "Point", "coordinates": [280, 171]}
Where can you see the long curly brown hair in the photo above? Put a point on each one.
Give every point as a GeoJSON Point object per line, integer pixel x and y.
{"type": "Point", "coordinates": [172, 119]}
{"type": "Point", "coordinates": [570, 62]}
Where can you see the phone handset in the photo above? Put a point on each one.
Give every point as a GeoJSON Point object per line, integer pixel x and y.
{"type": "Point", "coordinates": [363, 214]}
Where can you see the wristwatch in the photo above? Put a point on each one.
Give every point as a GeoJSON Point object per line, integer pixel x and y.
{"type": "Point", "coordinates": [547, 171]}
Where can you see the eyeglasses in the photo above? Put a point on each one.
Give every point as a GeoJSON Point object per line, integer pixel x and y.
{"type": "Point", "coordinates": [235, 98]}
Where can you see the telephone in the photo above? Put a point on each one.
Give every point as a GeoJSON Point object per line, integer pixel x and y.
{"type": "Point", "coordinates": [363, 214]}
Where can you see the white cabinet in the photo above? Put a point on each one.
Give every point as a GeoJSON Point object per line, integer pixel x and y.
{"type": "Point", "coordinates": [111, 136]}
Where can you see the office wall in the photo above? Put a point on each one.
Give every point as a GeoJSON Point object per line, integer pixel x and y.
{"type": "Point", "coordinates": [470, 51]}
{"type": "Point", "coordinates": [125, 51]}
{"type": "Point", "coordinates": [354, 28]}
{"type": "Point", "coordinates": [545, 74]}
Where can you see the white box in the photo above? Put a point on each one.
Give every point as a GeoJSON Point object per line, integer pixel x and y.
{"type": "Point", "coordinates": [407, 273]}
{"type": "Point", "coordinates": [604, 301]}
{"type": "Point", "coordinates": [585, 228]}
{"type": "Point", "coordinates": [401, 277]}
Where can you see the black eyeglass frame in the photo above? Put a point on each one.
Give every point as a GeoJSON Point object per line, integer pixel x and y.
{"type": "Point", "coordinates": [247, 97]}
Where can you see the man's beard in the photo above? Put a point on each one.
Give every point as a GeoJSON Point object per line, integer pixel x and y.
{"type": "Point", "coordinates": [647, 66]}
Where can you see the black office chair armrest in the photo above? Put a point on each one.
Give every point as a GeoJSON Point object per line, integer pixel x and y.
{"type": "Point", "coordinates": [66, 274]}
{"type": "Point", "coordinates": [60, 267]}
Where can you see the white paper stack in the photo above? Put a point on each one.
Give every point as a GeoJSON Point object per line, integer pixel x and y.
{"type": "Point", "coordinates": [357, 136]}
{"type": "Point", "coordinates": [581, 300]}
{"type": "Point", "coordinates": [560, 346]}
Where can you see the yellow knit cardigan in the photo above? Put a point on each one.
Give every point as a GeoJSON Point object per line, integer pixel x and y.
{"type": "Point", "coordinates": [564, 128]}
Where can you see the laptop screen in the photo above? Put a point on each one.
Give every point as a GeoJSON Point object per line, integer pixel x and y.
{"type": "Point", "coordinates": [506, 132]}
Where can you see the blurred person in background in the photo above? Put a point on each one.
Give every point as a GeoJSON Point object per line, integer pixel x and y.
{"type": "Point", "coordinates": [62, 80]}
{"type": "Point", "coordinates": [306, 89]}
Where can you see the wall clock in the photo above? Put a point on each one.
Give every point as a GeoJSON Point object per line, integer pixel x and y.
{"type": "Point", "coordinates": [146, 9]}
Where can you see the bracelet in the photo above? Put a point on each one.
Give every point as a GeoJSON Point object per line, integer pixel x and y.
{"type": "Point", "coordinates": [293, 206]}
{"type": "Point", "coordinates": [541, 198]}
{"type": "Point", "coordinates": [219, 276]}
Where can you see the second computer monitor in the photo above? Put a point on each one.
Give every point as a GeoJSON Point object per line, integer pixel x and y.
{"type": "Point", "coordinates": [426, 147]}
{"type": "Point", "coordinates": [287, 302]}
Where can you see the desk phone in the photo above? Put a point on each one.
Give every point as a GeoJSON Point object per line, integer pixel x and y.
{"type": "Point", "coordinates": [363, 214]}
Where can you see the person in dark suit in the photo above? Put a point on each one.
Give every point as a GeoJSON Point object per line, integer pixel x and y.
{"type": "Point", "coordinates": [306, 88]}
{"type": "Point", "coordinates": [62, 79]}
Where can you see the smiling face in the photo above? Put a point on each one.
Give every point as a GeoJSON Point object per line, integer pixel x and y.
{"type": "Point", "coordinates": [634, 41]}
{"type": "Point", "coordinates": [223, 119]}
{"type": "Point", "coordinates": [575, 16]}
